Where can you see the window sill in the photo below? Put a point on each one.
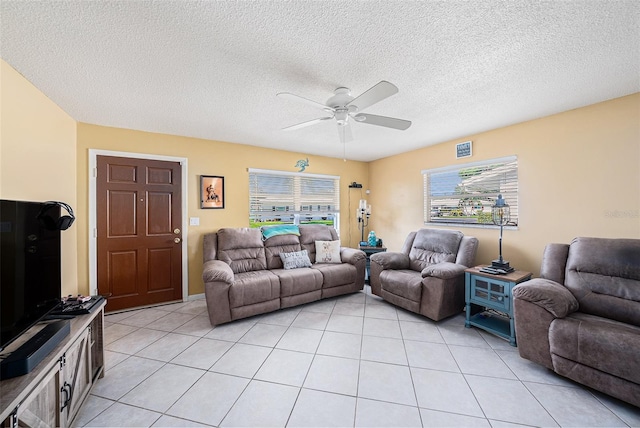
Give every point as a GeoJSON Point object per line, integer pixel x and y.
{"type": "Point", "coordinates": [469, 225]}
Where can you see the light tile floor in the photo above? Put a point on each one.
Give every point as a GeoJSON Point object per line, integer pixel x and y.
{"type": "Point", "coordinates": [350, 361]}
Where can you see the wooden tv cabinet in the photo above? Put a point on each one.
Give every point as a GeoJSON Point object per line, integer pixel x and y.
{"type": "Point", "coordinates": [52, 393]}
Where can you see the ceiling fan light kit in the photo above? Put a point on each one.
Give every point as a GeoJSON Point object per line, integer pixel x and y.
{"type": "Point", "coordinates": [342, 106]}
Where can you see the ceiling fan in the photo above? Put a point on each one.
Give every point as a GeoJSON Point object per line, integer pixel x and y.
{"type": "Point", "coordinates": [342, 107]}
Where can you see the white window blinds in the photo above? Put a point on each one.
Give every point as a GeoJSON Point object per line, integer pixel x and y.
{"type": "Point", "coordinates": [465, 193]}
{"type": "Point", "coordinates": [286, 197]}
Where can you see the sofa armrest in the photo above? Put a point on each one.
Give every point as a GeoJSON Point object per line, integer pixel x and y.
{"type": "Point", "coordinates": [351, 255]}
{"type": "Point", "coordinates": [218, 278]}
{"type": "Point", "coordinates": [390, 260]}
{"type": "Point", "coordinates": [217, 271]}
{"type": "Point", "coordinates": [444, 270]}
{"type": "Point", "coordinates": [547, 294]}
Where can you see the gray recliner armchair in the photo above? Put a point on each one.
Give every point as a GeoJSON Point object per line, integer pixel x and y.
{"type": "Point", "coordinates": [427, 275]}
{"type": "Point", "coordinates": [581, 318]}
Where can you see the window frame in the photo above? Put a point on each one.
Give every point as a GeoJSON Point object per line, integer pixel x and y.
{"type": "Point", "coordinates": [511, 194]}
{"type": "Point", "coordinates": [296, 199]}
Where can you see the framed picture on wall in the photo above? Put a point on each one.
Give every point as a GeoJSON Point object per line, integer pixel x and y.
{"type": "Point", "coordinates": [463, 150]}
{"type": "Point", "coordinates": [211, 192]}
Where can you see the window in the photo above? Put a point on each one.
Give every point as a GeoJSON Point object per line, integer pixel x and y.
{"type": "Point", "coordinates": [464, 194]}
{"type": "Point", "coordinates": [278, 197]}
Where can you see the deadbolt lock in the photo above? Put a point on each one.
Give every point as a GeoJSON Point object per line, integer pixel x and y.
{"type": "Point", "coordinates": [176, 231]}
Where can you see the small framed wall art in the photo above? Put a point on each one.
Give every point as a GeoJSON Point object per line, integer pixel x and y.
{"type": "Point", "coordinates": [463, 150]}
{"type": "Point", "coordinates": [211, 192]}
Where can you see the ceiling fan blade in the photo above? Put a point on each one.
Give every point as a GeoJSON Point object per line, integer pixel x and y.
{"type": "Point", "coordinates": [373, 95]}
{"type": "Point", "coordinates": [307, 123]}
{"type": "Point", "coordinates": [389, 122]}
{"type": "Point", "coordinates": [345, 133]}
{"type": "Point", "coordinates": [298, 98]}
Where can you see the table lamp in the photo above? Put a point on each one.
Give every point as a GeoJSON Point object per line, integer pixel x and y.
{"type": "Point", "coordinates": [501, 215]}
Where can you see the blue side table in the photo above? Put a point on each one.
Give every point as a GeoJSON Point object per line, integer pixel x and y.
{"type": "Point", "coordinates": [368, 251]}
{"type": "Point", "coordinates": [489, 304]}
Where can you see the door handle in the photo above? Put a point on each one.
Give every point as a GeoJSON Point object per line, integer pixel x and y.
{"type": "Point", "coordinates": [177, 240]}
{"type": "Point", "coordinates": [68, 392]}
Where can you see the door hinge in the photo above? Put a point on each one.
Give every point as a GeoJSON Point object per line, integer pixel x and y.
{"type": "Point", "coordinates": [95, 232]}
{"type": "Point", "coordinates": [95, 172]}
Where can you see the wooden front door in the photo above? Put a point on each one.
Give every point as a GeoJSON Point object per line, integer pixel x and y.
{"type": "Point", "coordinates": [139, 222]}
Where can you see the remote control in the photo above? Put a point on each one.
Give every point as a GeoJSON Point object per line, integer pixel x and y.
{"type": "Point", "coordinates": [493, 271]}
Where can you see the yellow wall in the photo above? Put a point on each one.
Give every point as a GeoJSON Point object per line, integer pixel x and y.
{"type": "Point", "coordinates": [207, 157]}
{"type": "Point", "coordinates": [38, 156]}
{"type": "Point", "coordinates": [579, 175]}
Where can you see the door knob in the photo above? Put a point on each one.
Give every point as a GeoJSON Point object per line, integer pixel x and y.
{"type": "Point", "coordinates": [177, 240]}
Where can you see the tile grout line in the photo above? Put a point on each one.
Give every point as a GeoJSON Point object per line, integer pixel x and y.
{"type": "Point", "coordinates": [364, 313]}
{"type": "Point", "coordinates": [413, 381]}
{"type": "Point", "coordinates": [165, 363]}
{"type": "Point", "coordinates": [272, 348]}
{"type": "Point", "coordinates": [310, 365]}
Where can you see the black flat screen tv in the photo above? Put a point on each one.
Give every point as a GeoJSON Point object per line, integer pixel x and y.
{"type": "Point", "coordinates": [30, 266]}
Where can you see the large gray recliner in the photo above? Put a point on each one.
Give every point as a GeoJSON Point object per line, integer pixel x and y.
{"type": "Point", "coordinates": [427, 276]}
{"type": "Point", "coordinates": [244, 276]}
{"type": "Point", "coordinates": [581, 319]}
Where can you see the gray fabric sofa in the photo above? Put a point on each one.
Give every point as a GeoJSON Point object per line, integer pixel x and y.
{"type": "Point", "coordinates": [581, 318]}
{"type": "Point", "coordinates": [427, 275]}
{"type": "Point", "coordinates": [244, 275]}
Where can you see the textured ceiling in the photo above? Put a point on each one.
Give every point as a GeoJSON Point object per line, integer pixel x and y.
{"type": "Point", "coordinates": [212, 69]}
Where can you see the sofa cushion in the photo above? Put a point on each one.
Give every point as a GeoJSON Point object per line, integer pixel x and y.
{"type": "Point", "coordinates": [432, 246]}
{"type": "Point", "coordinates": [603, 344]}
{"type": "Point", "coordinates": [328, 252]}
{"type": "Point", "coordinates": [310, 233]}
{"type": "Point", "coordinates": [280, 244]}
{"type": "Point", "coordinates": [242, 249]}
{"type": "Point", "coordinates": [253, 287]}
{"type": "Point", "coordinates": [295, 260]}
{"type": "Point", "coordinates": [334, 275]}
{"type": "Point", "coordinates": [604, 276]}
{"type": "Point", "coordinates": [405, 283]}
{"type": "Point", "coordinates": [298, 281]}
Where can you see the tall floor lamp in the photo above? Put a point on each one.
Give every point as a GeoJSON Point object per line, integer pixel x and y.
{"type": "Point", "coordinates": [501, 215]}
{"type": "Point", "coordinates": [363, 213]}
